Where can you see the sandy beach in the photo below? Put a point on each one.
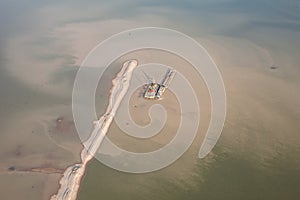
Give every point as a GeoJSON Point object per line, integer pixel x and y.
{"type": "Point", "coordinates": [70, 182]}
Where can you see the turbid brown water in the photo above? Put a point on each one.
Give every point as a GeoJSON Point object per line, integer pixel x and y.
{"type": "Point", "coordinates": [257, 156]}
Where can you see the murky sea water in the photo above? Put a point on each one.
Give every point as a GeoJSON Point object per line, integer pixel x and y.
{"type": "Point", "coordinates": [255, 45]}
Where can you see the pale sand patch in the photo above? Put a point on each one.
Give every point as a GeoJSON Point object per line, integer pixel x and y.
{"type": "Point", "coordinates": [70, 182]}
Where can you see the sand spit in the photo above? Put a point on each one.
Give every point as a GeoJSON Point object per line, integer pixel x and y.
{"type": "Point", "coordinates": [70, 182]}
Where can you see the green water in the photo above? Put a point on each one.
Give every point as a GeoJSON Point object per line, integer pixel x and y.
{"type": "Point", "coordinates": [230, 176]}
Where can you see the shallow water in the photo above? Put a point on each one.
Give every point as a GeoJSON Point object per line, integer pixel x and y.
{"type": "Point", "coordinates": [254, 43]}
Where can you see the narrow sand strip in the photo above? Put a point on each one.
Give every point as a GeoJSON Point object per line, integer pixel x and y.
{"type": "Point", "coordinates": [70, 182]}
